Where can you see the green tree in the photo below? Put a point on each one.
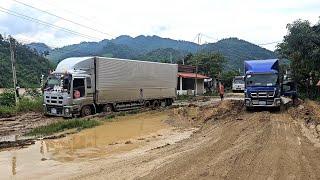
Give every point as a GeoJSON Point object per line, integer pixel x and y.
{"type": "Point", "coordinates": [210, 64]}
{"type": "Point", "coordinates": [227, 78]}
{"type": "Point", "coordinates": [302, 47]}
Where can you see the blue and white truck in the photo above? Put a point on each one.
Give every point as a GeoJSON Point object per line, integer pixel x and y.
{"type": "Point", "coordinates": [262, 84]}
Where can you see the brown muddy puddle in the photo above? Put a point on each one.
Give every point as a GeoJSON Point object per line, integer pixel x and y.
{"type": "Point", "coordinates": [123, 134]}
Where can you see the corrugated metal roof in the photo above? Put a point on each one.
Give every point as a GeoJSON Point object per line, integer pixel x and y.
{"type": "Point", "coordinates": [191, 75]}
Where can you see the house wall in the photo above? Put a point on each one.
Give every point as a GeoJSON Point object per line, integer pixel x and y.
{"type": "Point", "coordinates": [188, 86]}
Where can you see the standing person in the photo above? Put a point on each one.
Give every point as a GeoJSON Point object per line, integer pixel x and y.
{"type": "Point", "coordinates": [221, 90]}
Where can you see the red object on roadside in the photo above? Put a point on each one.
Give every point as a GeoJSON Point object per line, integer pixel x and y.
{"type": "Point", "coordinates": [76, 94]}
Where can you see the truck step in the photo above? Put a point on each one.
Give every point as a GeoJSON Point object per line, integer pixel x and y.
{"type": "Point", "coordinates": [129, 108]}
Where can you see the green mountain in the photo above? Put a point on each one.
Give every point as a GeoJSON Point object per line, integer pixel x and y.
{"type": "Point", "coordinates": [166, 55]}
{"type": "Point", "coordinates": [29, 65]}
{"type": "Point", "coordinates": [155, 48]}
{"type": "Point", "coordinates": [236, 51]}
{"type": "Point", "coordinates": [39, 47]}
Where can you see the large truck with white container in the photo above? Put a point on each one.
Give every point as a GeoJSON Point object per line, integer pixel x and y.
{"type": "Point", "coordinates": [88, 85]}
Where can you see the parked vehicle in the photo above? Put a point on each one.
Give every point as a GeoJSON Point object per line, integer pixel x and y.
{"type": "Point", "coordinates": [262, 84]}
{"type": "Point", "coordinates": [238, 84]}
{"type": "Point", "coordinates": [87, 85]}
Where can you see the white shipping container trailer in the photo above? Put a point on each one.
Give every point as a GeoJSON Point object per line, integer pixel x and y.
{"type": "Point", "coordinates": [87, 85]}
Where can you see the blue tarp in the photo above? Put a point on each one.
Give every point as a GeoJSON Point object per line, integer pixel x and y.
{"type": "Point", "coordinates": [261, 66]}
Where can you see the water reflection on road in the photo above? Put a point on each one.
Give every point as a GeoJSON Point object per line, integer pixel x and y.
{"type": "Point", "coordinates": [98, 142]}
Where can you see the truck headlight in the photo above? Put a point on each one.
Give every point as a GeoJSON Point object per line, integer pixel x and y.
{"type": "Point", "coordinates": [247, 101]}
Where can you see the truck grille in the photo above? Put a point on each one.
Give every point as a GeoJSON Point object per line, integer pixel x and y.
{"type": "Point", "coordinates": [263, 94]}
{"type": "Point", "coordinates": [54, 99]}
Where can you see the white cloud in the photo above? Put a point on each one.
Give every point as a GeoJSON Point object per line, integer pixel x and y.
{"type": "Point", "coordinates": [258, 21]}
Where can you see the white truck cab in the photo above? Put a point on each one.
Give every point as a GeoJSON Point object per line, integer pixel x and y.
{"type": "Point", "coordinates": [238, 84]}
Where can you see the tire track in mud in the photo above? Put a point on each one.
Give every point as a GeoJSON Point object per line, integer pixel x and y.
{"type": "Point", "coordinates": [261, 145]}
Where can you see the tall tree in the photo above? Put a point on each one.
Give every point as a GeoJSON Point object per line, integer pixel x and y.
{"type": "Point", "coordinates": [302, 47]}
{"type": "Point", "coordinates": [210, 64]}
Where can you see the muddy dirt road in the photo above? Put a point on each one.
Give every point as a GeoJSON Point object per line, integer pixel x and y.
{"type": "Point", "coordinates": [234, 144]}
{"type": "Point", "coordinates": [208, 141]}
{"type": "Point", "coordinates": [259, 145]}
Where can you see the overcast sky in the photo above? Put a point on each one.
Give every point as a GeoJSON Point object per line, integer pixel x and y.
{"type": "Point", "coordinates": [257, 21]}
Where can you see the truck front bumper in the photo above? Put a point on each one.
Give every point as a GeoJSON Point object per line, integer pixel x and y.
{"type": "Point", "coordinates": [61, 111]}
{"type": "Point", "coordinates": [275, 102]}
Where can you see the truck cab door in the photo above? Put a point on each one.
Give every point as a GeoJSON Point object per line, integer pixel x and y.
{"type": "Point", "coordinates": [289, 89]}
{"type": "Point", "coordinates": [78, 90]}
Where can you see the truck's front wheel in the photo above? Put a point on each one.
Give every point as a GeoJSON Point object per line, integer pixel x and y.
{"type": "Point", "coordinates": [155, 104]}
{"type": "Point", "coordinates": [107, 109]}
{"type": "Point", "coordinates": [86, 111]}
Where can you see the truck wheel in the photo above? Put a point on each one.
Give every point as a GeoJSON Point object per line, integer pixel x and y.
{"type": "Point", "coordinates": [169, 102]}
{"type": "Point", "coordinates": [146, 104]}
{"type": "Point", "coordinates": [155, 104]}
{"type": "Point", "coordinates": [107, 109]}
{"type": "Point", "coordinates": [86, 111]}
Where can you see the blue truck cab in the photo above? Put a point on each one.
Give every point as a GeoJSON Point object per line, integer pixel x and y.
{"type": "Point", "coordinates": [262, 84]}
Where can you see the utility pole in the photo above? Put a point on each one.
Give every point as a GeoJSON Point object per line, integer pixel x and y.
{"type": "Point", "coordinates": [13, 66]}
{"type": "Point", "coordinates": [196, 79]}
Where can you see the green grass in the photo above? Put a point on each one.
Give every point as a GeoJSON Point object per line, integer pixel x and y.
{"type": "Point", "coordinates": [62, 126]}
{"type": "Point", "coordinates": [24, 105]}
{"type": "Point", "coordinates": [6, 111]}
{"type": "Point", "coordinates": [184, 97]}
{"type": "Point", "coordinates": [209, 93]}
{"type": "Point", "coordinates": [109, 117]}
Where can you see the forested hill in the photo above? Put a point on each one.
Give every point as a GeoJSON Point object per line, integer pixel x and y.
{"type": "Point", "coordinates": [236, 51]}
{"type": "Point", "coordinates": [154, 48]}
{"type": "Point", "coordinates": [122, 47]}
{"type": "Point", "coordinates": [29, 65]}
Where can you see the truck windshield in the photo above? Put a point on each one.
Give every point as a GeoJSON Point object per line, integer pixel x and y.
{"type": "Point", "coordinates": [52, 81]}
{"type": "Point", "coordinates": [261, 80]}
{"type": "Point", "coordinates": [55, 81]}
{"type": "Point", "coordinates": [238, 81]}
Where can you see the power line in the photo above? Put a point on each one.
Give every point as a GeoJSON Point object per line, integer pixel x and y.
{"type": "Point", "coordinates": [22, 16]}
{"type": "Point", "coordinates": [209, 37]}
{"type": "Point", "coordinates": [71, 12]}
{"type": "Point", "coordinates": [274, 42]}
{"type": "Point", "coordinates": [73, 22]}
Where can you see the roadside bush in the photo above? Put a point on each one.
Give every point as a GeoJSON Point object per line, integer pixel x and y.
{"type": "Point", "coordinates": [26, 104]}
{"type": "Point", "coordinates": [7, 98]}
{"type": "Point", "coordinates": [33, 92]}
{"type": "Point", "coordinates": [8, 108]}
{"type": "Point", "coordinates": [6, 111]}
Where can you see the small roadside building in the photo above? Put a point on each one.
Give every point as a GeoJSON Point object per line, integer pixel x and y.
{"type": "Point", "coordinates": [186, 81]}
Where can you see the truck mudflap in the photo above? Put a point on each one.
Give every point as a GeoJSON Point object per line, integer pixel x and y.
{"type": "Point", "coordinates": [61, 111]}
{"type": "Point", "coordinates": [276, 102]}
